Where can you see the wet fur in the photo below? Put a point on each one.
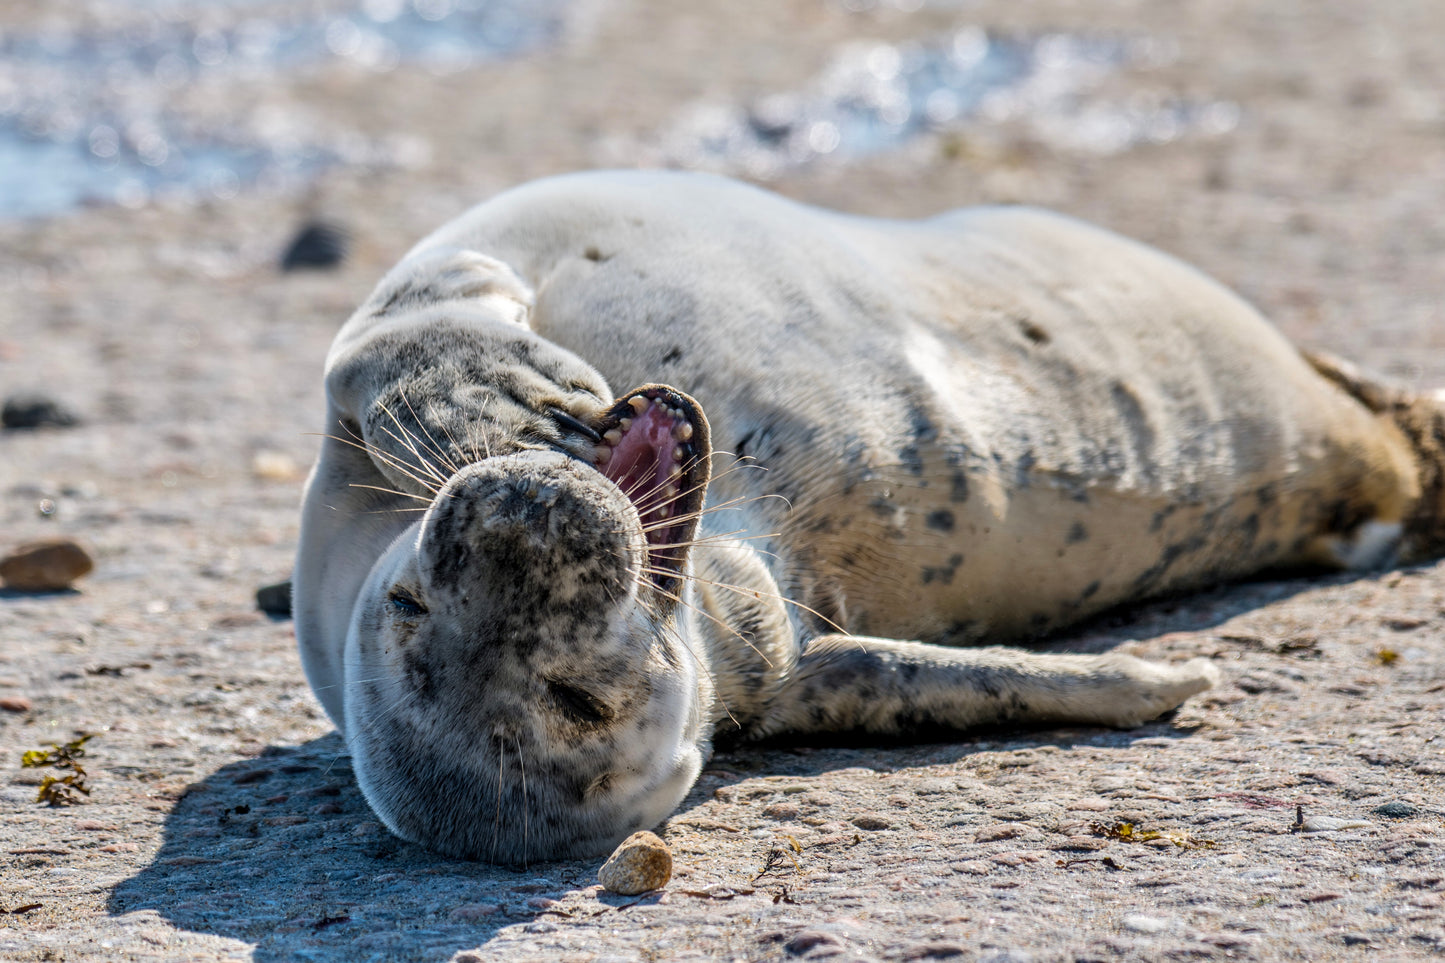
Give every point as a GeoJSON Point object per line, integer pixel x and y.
{"type": "Point", "coordinates": [974, 428]}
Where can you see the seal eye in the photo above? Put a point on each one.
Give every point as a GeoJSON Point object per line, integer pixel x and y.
{"type": "Point", "coordinates": [582, 707]}
{"type": "Point", "coordinates": [404, 605]}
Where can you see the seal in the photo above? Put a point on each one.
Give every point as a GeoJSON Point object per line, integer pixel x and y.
{"type": "Point", "coordinates": [534, 604]}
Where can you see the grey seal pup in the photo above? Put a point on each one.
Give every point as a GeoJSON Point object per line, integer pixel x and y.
{"type": "Point", "coordinates": [622, 465]}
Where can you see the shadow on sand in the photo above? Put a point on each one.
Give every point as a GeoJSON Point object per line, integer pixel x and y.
{"type": "Point", "coordinates": [282, 852]}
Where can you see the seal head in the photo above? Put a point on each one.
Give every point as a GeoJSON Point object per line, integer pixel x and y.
{"type": "Point", "coordinates": [520, 684]}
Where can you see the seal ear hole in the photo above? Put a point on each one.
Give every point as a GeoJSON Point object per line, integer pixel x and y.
{"type": "Point", "coordinates": [581, 707]}
{"type": "Point", "coordinates": [405, 605]}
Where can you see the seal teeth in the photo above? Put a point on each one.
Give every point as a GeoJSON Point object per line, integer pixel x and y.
{"type": "Point", "coordinates": [613, 436]}
{"type": "Point", "coordinates": [625, 424]}
{"type": "Point", "coordinates": [679, 453]}
{"type": "Point", "coordinates": [639, 404]}
{"type": "Point", "coordinates": [683, 431]}
{"type": "Point", "coordinates": [601, 455]}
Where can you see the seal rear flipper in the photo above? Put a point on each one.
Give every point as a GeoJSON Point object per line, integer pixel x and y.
{"type": "Point", "coordinates": [899, 689]}
{"type": "Point", "coordinates": [1420, 417]}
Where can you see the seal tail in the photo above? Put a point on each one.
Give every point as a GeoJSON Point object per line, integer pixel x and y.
{"type": "Point", "coordinates": [1420, 417]}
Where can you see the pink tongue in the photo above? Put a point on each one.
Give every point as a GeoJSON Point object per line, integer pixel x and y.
{"type": "Point", "coordinates": [641, 460]}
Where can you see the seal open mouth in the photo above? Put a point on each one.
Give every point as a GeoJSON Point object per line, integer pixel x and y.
{"type": "Point", "coordinates": [655, 448]}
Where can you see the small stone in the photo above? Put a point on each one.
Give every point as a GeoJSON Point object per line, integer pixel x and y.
{"type": "Point", "coordinates": [991, 834]}
{"type": "Point", "coordinates": [805, 941]}
{"type": "Point", "coordinates": [15, 704]}
{"type": "Point", "coordinates": [974, 867]}
{"type": "Point", "coordinates": [274, 466]}
{"type": "Point", "coordinates": [49, 565]}
{"type": "Point", "coordinates": [1138, 923]}
{"type": "Point", "coordinates": [470, 912]}
{"type": "Point", "coordinates": [872, 823]}
{"type": "Point", "coordinates": [641, 864]}
{"type": "Point", "coordinates": [1398, 810]}
{"type": "Point", "coordinates": [317, 244]}
{"type": "Point", "coordinates": [35, 411]}
{"type": "Point", "coordinates": [1330, 824]}
{"type": "Point", "coordinates": [275, 599]}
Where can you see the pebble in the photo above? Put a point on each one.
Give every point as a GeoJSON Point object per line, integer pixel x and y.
{"type": "Point", "coordinates": [641, 864]}
{"type": "Point", "coordinates": [991, 834]}
{"type": "Point", "coordinates": [15, 704]}
{"type": "Point", "coordinates": [1138, 923]}
{"type": "Point", "coordinates": [317, 244]}
{"type": "Point", "coordinates": [469, 912]}
{"type": "Point", "coordinates": [1398, 810]}
{"type": "Point", "coordinates": [48, 565]}
{"type": "Point", "coordinates": [36, 411]}
{"type": "Point", "coordinates": [275, 599]}
{"type": "Point", "coordinates": [1329, 824]}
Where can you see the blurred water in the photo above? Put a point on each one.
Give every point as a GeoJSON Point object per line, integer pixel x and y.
{"type": "Point", "coordinates": [120, 114]}
{"type": "Point", "coordinates": [876, 97]}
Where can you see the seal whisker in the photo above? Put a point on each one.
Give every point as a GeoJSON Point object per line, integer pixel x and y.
{"type": "Point", "coordinates": [361, 444]}
{"type": "Point", "coordinates": [756, 593]}
{"type": "Point", "coordinates": [497, 809]}
{"type": "Point", "coordinates": [526, 809]}
{"type": "Point", "coordinates": [698, 661]}
{"type": "Point", "coordinates": [707, 615]}
{"type": "Point", "coordinates": [434, 446]}
{"type": "Point", "coordinates": [423, 465]}
{"type": "Point", "coordinates": [409, 440]}
{"type": "Point", "coordinates": [392, 491]}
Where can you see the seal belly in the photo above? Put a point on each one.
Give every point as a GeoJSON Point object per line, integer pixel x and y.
{"type": "Point", "coordinates": [1080, 421]}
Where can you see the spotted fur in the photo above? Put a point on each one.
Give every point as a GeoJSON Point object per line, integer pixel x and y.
{"type": "Point", "coordinates": [973, 428]}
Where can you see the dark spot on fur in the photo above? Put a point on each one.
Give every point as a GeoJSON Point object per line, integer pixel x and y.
{"type": "Point", "coordinates": [1023, 468]}
{"type": "Point", "coordinates": [1141, 432]}
{"type": "Point", "coordinates": [418, 675]}
{"type": "Point", "coordinates": [959, 492]}
{"type": "Point", "coordinates": [923, 428]}
{"type": "Point", "coordinates": [1033, 332]}
{"type": "Point", "coordinates": [1089, 590]}
{"type": "Point", "coordinates": [911, 460]}
{"type": "Point", "coordinates": [881, 505]}
{"type": "Point", "coordinates": [1161, 516]}
{"type": "Point", "coordinates": [675, 354]}
{"type": "Point", "coordinates": [1077, 533]}
{"type": "Point", "coordinates": [821, 526]}
{"type": "Point", "coordinates": [592, 254]}
{"type": "Point", "coordinates": [943, 574]}
{"type": "Point", "coordinates": [940, 521]}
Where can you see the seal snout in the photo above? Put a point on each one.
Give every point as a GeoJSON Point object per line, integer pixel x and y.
{"type": "Point", "coordinates": [529, 531]}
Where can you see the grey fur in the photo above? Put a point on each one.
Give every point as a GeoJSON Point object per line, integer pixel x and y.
{"type": "Point", "coordinates": [972, 428]}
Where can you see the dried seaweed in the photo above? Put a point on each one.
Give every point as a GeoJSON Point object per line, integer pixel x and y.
{"type": "Point", "coordinates": [779, 852]}
{"type": "Point", "coordinates": [1129, 833]}
{"type": "Point", "coordinates": [60, 790]}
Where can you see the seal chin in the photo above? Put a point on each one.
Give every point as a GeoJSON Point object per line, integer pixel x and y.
{"type": "Point", "coordinates": [518, 687]}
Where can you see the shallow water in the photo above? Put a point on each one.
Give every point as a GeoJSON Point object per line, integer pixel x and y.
{"type": "Point", "coordinates": [877, 97]}
{"type": "Point", "coordinates": [179, 98]}
{"type": "Point", "coordinates": [112, 114]}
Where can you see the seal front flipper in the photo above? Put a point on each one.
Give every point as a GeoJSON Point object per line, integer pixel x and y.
{"type": "Point", "coordinates": [891, 688]}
